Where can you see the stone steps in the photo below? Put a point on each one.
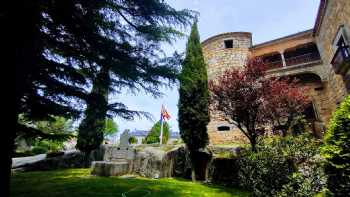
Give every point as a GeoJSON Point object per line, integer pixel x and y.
{"type": "Point", "coordinates": [110, 168]}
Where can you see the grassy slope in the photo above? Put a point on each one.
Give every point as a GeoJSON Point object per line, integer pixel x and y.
{"type": "Point", "coordinates": [78, 182]}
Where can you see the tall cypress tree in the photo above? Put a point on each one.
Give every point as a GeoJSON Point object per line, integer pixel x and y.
{"type": "Point", "coordinates": [194, 98]}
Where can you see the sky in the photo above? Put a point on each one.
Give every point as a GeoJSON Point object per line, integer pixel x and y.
{"type": "Point", "coordinates": [265, 19]}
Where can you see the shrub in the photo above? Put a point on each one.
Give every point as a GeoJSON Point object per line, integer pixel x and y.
{"type": "Point", "coordinates": [23, 154]}
{"type": "Point", "coordinates": [273, 170]}
{"type": "Point", "coordinates": [264, 172]}
{"type": "Point", "coordinates": [39, 150]}
{"type": "Point", "coordinates": [306, 182]}
{"type": "Point", "coordinates": [336, 150]}
{"type": "Point", "coordinates": [132, 140]}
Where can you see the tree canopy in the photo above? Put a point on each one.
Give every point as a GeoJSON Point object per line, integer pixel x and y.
{"type": "Point", "coordinates": [69, 54]}
{"type": "Point", "coordinates": [154, 133]}
{"type": "Point", "coordinates": [194, 95]}
{"type": "Point", "coordinates": [247, 98]}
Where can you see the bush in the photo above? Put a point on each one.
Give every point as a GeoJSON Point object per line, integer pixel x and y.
{"type": "Point", "coordinates": [273, 170]}
{"type": "Point", "coordinates": [52, 146]}
{"type": "Point", "coordinates": [336, 150]}
{"type": "Point", "coordinates": [23, 154]}
{"type": "Point", "coordinates": [132, 140]}
{"type": "Point", "coordinates": [264, 172]}
{"type": "Point", "coordinates": [39, 150]}
{"type": "Point", "coordinates": [306, 182]}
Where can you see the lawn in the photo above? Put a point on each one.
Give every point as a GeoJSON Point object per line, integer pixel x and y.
{"type": "Point", "coordinates": [79, 182]}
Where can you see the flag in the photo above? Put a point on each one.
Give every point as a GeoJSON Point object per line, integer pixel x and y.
{"type": "Point", "coordinates": [164, 114]}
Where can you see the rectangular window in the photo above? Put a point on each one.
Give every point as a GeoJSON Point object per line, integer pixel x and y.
{"type": "Point", "coordinates": [228, 44]}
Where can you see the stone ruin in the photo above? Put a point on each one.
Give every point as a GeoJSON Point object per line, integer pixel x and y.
{"type": "Point", "coordinates": [117, 160]}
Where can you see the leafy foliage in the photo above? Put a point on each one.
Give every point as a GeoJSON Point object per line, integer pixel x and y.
{"type": "Point", "coordinates": [264, 172]}
{"type": "Point", "coordinates": [50, 136]}
{"type": "Point", "coordinates": [56, 129]}
{"type": "Point", "coordinates": [153, 135]}
{"type": "Point", "coordinates": [248, 99]}
{"type": "Point", "coordinates": [336, 150]}
{"type": "Point", "coordinates": [237, 96]}
{"type": "Point", "coordinates": [279, 164]}
{"type": "Point", "coordinates": [110, 127]}
{"type": "Point", "coordinates": [124, 42]}
{"type": "Point", "coordinates": [194, 95]}
{"type": "Point", "coordinates": [132, 140]}
{"type": "Point", "coordinates": [285, 103]}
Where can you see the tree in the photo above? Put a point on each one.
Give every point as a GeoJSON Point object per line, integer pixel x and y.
{"type": "Point", "coordinates": [194, 98]}
{"type": "Point", "coordinates": [285, 101]}
{"type": "Point", "coordinates": [237, 96]}
{"type": "Point", "coordinates": [154, 133]}
{"type": "Point", "coordinates": [132, 140]}
{"type": "Point", "coordinates": [131, 58]}
{"type": "Point", "coordinates": [110, 127]}
{"type": "Point", "coordinates": [57, 129]}
{"type": "Point", "coordinates": [66, 48]}
{"type": "Point", "coordinates": [336, 150]}
{"type": "Point", "coordinates": [52, 133]}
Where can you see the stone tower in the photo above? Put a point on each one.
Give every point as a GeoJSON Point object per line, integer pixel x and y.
{"type": "Point", "coordinates": [221, 52]}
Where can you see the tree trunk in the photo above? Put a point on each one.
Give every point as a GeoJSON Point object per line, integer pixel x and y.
{"type": "Point", "coordinates": [253, 143]}
{"type": "Point", "coordinates": [193, 167]}
{"type": "Point", "coordinates": [193, 174]}
{"type": "Point", "coordinates": [90, 132]}
{"type": "Point", "coordinates": [5, 172]}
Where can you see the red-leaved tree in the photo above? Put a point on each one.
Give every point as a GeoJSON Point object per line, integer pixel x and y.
{"type": "Point", "coordinates": [238, 96]}
{"type": "Point", "coordinates": [249, 99]}
{"type": "Point", "coordinates": [284, 101]}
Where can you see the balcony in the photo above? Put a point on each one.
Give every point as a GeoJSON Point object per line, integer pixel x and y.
{"type": "Point", "coordinates": [300, 55]}
{"type": "Point", "coordinates": [274, 64]}
{"type": "Point", "coordinates": [303, 59]}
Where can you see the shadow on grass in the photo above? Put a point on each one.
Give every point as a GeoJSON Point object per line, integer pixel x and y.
{"type": "Point", "coordinates": [79, 182]}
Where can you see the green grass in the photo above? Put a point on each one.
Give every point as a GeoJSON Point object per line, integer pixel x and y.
{"type": "Point", "coordinates": [79, 182]}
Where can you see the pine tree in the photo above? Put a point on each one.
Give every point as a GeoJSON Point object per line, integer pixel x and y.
{"type": "Point", "coordinates": [194, 98]}
{"type": "Point", "coordinates": [64, 48]}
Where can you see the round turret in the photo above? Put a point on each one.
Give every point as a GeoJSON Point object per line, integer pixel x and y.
{"type": "Point", "coordinates": [226, 50]}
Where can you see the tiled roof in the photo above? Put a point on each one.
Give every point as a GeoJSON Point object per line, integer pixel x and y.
{"type": "Point", "coordinates": [144, 133]}
{"type": "Point", "coordinates": [139, 133]}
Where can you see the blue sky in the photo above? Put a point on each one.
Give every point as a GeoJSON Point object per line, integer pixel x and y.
{"type": "Point", "coordinates": [265, 19]}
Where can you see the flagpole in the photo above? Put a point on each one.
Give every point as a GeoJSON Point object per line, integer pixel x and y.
{"type": "Point", "coordinates": [161, 132]}
{"type": "Point", "coordinates": [161, 125]}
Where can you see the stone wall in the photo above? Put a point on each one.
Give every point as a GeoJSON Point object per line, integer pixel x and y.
{"type": "Point", "coordinates": [336, 14]}
{"type": "Point", "coordinates": [219, 59]}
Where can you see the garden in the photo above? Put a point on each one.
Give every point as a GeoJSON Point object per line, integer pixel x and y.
{"type": "Point", "coordinates": [78, 58]}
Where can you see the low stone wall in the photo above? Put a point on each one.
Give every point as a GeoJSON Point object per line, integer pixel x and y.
{"type": "Point", "coordinates": [147, 161]}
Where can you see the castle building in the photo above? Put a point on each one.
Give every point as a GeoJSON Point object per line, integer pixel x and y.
{"type": "Point", "coordinates": [319, 58]}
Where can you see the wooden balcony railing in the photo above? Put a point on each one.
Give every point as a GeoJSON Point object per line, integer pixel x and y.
{"type": "Point", "coordinates": [300, 59]}
{"type": "Point", "coordinates": [274, 64]}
